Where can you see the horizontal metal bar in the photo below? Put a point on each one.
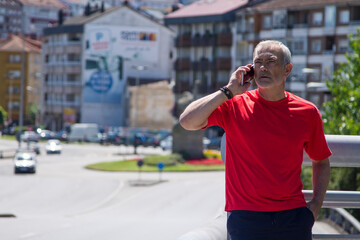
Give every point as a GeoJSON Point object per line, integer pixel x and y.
{"type": "Point", "coordinates": [345, 149]}
{"type": "Point", "coordinates": [335, 236]}
{"type": "Point", "coordinates": [335, 199]}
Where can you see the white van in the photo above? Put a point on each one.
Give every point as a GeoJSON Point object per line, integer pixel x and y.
{"type": "Point", "coordinates": [84, 132]}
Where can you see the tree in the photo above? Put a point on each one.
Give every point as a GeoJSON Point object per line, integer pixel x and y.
{"type": "Point", "coordinates": [3, 116]}
{"type": "Point", "coordinates": [342, 113]}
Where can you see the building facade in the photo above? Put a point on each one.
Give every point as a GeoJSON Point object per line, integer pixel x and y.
{"type": "Point", "coordinates": [204, 43]}
{"type": "Point", "coordinates": [11, 52]}
{"type": "Point", "coordinates": [211, 43]}
{"type": "Point", "coordinates": [90, 61]}
{"type": "Point", "coordinates": [39, 14]}
{"type": "Point", "coordinates": [10, 18]}
{"type": "Point", "coordinates": [315, 31]}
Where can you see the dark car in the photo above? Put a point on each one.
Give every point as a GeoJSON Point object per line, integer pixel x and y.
{"type": "Point", "coordinates": [62, 135]}
{"type": "Point", "coordinates": [213, 143]}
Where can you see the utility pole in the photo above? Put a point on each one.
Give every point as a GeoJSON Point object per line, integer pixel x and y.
{"type": "Point", "coordinates": [22, 83]}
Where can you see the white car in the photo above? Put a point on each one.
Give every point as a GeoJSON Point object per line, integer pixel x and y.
{"type": "Point", "coordinates": [53, 146]}
{"type": "Point", "coordinates": [25, 162]}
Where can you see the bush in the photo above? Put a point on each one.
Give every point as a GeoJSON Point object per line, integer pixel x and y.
{"type": "Point", "coordinates": [168, 160]}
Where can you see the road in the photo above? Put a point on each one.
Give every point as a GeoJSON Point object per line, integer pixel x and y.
{"type": "Point", "coordinates": [63, 200]}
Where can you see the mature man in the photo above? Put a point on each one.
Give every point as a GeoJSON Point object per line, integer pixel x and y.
{"type": "Point", "coordinates": [267, 130]}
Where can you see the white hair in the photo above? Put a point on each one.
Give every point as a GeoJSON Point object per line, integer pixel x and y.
{"type": "Point", "coordinates": [284, 49]}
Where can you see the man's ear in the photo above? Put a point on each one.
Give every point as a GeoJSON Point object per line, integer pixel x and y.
{"type": "Point", "coordinates": [288, 69]}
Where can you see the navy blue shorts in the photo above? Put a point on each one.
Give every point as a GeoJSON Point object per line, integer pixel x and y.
{"type": "Point", "coordinates": [294, 224]}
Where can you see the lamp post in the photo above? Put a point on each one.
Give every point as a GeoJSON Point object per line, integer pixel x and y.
{"type": "Point", "coordinates": [22, 77]}
{"type": "Point", "coordinates": [137, 83]}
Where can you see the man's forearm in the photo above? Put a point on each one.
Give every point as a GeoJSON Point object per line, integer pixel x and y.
{"type": "Point", "coordinates": [321, 177]}
{"type": "Point", "coordinates": [196, 114]}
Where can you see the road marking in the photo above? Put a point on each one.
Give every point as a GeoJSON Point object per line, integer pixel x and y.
{"type": "Point", "coordinates": [103, 202]}
{"type": "Point", "coordinates": [28, 235]}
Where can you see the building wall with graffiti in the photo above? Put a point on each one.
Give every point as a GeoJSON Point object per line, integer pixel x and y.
{"type": "Point", "coordinates": [112, 52]}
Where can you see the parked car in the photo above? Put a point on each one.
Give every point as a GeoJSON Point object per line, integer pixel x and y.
{"type": "Point", "coordinates": [213, 143]}
{"type": "Point", "coordinates": [84, 132]}
{"type": "Point", "coordinates": [30, 136]}
{"type": "Point", "coordinates": [53, 146]}
{"type": "Point", "coordinates": [33, 146]}
{"type": "Point", "coordinates": [62, 135]}
{"type": "Point", "coordinates": [25, 161]}
{"type": "Point", "coordinates": [46, 134]}
{"type": "Point", "coordinates": [166, 143]}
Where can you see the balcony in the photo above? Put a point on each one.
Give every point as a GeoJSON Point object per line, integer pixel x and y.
{"type": "Point", "coordinates": [183, 40]}
{"type": "Point", "coordinates": [222, 63]}
{"type": "Point", "coordinates": [196, 40]}
{"type": "Point", "coordinates": [224, 39]}
{"type": "Point", "coordinates": [208, 39]}
{"type": "Point", "coordinates": [182, 64]}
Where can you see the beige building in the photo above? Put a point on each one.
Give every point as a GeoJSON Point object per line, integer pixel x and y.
{"type": "Point", "coordinates": [151, 105]}
{"type": "Point", "coordinates": [11, 51]}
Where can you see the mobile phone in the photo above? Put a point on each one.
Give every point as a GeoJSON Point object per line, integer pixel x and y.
{"type": "Point", "coordinates": [250, 74]}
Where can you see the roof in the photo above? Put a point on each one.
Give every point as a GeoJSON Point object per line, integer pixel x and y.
{"type": "Point", "coordinates": [75, 24]}
{"type": "Point", "coordinates": [280, 4]}
{"type": "Point", "coordinates": [205, 11]}
{"type": "Point", "coordinates": [15, 44]}
{"type": "Point", "coordinates": [44, 3]}
{"type": "Point", "coordinates": [207, 7]}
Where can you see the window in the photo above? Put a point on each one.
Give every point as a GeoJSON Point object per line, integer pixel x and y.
{"type": "Point", "coordinates": [317, 18]}
{"type": "Point", "coordinates": [298, 46]}
{"type": "Point", "coordinates": [330, 44]}
{"type": "Point", "coordinates": [330, 16]}
{"type": "Point", "coordinates": [316, 46]}
{"type": "Point", "coordinates": [70, 97]}
{"type": "Point", "coordinates": [14, 74]}
{"type": "Point", "coordinates": [279, 17]}
{"type": "Point", "coordinates": [344, 16]}
{"type": "Point", "coordinates": [343, 45]}
{"type": "Point", "coordinates": [249, 25]}
{"type": "Point", "coordinates": [267, 21]}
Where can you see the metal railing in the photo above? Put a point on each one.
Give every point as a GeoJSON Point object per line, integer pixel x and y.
{"type": "Point", "coordinates": [346, 153]}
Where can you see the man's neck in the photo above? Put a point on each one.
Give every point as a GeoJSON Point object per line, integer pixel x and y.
{"type": "Point", "coordinates": [271, 95]}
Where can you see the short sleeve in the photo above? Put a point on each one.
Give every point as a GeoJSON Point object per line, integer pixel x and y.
{"type": "Point", "coordinates": [317, 147]}
{"type": "Point", "coordinates": [218, 116]}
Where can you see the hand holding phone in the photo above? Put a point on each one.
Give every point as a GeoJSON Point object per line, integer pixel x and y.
{"type": "Point", "coordinates": [250, 75]}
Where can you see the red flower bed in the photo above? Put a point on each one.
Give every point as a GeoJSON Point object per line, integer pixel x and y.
{"type": "Point", "coordinates": [205, 161]}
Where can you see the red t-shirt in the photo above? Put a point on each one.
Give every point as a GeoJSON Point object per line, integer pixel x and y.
{"type": "Point", "coordinates": [264, 149]}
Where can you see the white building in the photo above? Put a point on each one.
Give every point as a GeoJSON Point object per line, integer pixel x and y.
{"type": "Point", "coordinates": [39, 14]}
{"type": "Point", "coordinates": [89, 61]}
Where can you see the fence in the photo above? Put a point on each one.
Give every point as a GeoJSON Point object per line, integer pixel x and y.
{"type": "Point", "coordinates": [346, 153]}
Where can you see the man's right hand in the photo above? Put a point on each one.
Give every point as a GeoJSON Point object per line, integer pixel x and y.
{"type": "Point", "coordinates": [235, 80]}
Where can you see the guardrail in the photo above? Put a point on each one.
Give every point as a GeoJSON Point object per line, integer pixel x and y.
{"type": "Point", "coordinates": [346, 153]}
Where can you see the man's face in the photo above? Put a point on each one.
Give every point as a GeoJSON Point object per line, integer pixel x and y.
{"type": "Point", "coordinates": [269, 69]}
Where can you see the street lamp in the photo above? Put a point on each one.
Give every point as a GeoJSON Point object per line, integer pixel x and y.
{"type": "Point", "coordinates": [137, 83]}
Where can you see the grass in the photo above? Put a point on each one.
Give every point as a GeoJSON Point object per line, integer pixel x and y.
{"type": "Point", "coordinates": [131, 166]}
{"type": "Point", "coordinates": [173, 163]}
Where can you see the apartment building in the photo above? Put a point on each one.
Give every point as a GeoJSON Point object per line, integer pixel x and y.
{"type": "Point", "coordinates": [39, 14]}
{"type": "Point", "coordinates": [315, 31]}
{"type": "Point", "coordinates": [90, 60]}
{"type": "Point", "coordinates": [205, 48]}
{"type": "Point", "coordinates": [11, 51]}
{"type": "Point", "coordinates": [10, 18]}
